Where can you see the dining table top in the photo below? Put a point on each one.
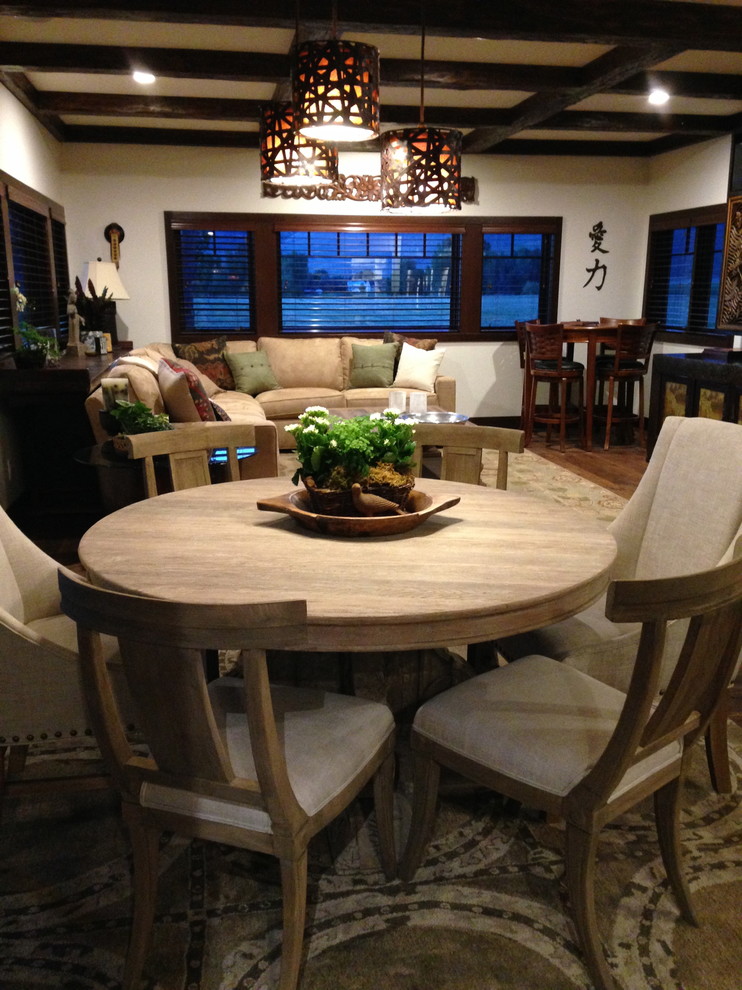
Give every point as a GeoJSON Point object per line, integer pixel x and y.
{"type": "Point", "coordinates": [496, 563]}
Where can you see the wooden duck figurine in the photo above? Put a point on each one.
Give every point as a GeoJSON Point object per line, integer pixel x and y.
{"type": "Point", "coordinates": [373, 505]}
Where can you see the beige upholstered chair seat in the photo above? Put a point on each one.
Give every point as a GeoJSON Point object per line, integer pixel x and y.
{"type": "Point", "coordinates": [538, 722]}
{"type": "Point", "coordinates": [327, 739]}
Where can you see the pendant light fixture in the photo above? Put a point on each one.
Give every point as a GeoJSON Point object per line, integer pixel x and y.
{"type": "Point", "coordinates": [421, 166]}
{"type": "Point", "coordinates": [287, 158]}
{"type": "Point", "coordinates": [336, 89]}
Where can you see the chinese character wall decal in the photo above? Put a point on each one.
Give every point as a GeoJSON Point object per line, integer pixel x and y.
{"type": "Point", "coordinates": [596, 235]}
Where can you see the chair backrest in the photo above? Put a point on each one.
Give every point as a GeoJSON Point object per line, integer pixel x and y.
{"type": "Point", "coordinates": [712, 600]}
{"type": "Point", "coordinates": [520, 332]}
{"type": "Point", "coordinates": [161, 644]}
{"type": "Point", "coordinates": [188, 451]}
{"type": "Point", "coordinates": [28, 577]}
{"type": "Point", "coordinates": [687, 508]}
{"type": "Point", "coordinates": [545, 342]}
{"type": "Point", "coordinates": [461, 447]}
{"type": "Point", "coordinates": [633, 344]}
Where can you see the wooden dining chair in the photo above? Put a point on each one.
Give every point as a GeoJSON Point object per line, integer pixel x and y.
{"type": "Point", "coordinates": [563, 742]}
{"type": "Point", "coordinates": [626, 365]}
{"type": "Point", "coordinates": [522, 339]}
{"type": "Point", "coordinates": [235, 761]}
{"type": "Point", "coordinates": [189, 452]}
{"type": "Point", "coordinates": [547, 363]}
{"type": "Point", "coordinates": [461, 446]}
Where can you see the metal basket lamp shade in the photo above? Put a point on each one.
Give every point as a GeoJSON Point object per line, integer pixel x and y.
{"type": "Point", "coordinates": [287, 158]}
{"type": "Point", "coordinates": [336, 90]}
{"type": "Point", "coordinates": [421, 167]}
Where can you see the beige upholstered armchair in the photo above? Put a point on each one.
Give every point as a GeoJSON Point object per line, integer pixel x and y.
{"type": "Point", "coordinates": [41, 698]}
{"type": "Point", "coordinates": [685, 515]}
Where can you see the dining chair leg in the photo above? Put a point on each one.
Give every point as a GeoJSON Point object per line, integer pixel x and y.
{"type": "Point", "coordinates": [717, 748]}
{"type": "Point", "coordinates": [667, 818]}
{"type": "Point", "coordinates": [579, 854]}
{"type": "Point", "coordinates": [294, 892]}
{"type": "Point", "coordinates": [609, 414]}
{"type": "Point", "coordinates": [145, 844]}
{"type": "Point", "coordinates": [641, 411]}
{"type": "Point", "coordinates": [384, 807]}
{"type": "Point", "coordinates": [426, 777]}
{"type": "Point", "coordinates": [562, 414]}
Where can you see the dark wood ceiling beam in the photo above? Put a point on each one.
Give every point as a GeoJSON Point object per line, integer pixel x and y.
{"type": "Point", "coordinates": [160, 136]}
{"type": "Point", "coordinates": [648, 123]}
{"type": "Point", "coordinates": [716, 27]}
{"type": "Point", "coordinates": [602, 73]}
{"type": "Point", "coordinates": [27, 95]}
{"type": "Point", "coordinates": [197, 108]}
{"type": "Point", "coordinates": [183, 107]}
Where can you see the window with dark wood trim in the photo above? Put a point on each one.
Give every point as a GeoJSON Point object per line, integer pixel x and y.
{"type": "Point", "coordinates": [306, 274]}
{"type": "Point", "coordinates": [683, 277]}
{"type": "Point", "coordinates": [33, 257]}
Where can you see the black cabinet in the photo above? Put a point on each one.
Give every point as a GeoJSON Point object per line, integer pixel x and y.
{"type": "Point", "coordinates": [702, 384]}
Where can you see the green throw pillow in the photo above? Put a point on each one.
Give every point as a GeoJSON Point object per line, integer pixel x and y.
{"type": "Point", "coordinates": [252, 372]}
{"type": "Point", "coordinates": [373, 365]}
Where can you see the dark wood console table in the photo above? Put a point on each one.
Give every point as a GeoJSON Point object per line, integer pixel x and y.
{"type": "Point", "coordinates": [46, 412]}
{"type": "Point", "coordinates": [693, 385]}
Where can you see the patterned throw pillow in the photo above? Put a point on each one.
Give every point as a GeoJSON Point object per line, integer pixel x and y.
{"type": "Point", "coordinates": [423, 343]}
{"type": "Point", "coordinates": [183, 394]}
{"type": "Point", "coordinates": [208, 356]}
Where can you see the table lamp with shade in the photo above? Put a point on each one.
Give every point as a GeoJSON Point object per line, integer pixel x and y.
{"type": "Point", "coordinates": [104, 275]}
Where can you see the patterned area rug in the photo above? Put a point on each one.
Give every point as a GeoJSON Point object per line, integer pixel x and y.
{"type": "Point", "coordinates": [484, 912]}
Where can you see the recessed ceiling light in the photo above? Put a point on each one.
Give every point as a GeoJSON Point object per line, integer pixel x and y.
{"type": "Point", "coordinates": [658, 97]}
{"type": "Point", "coordinates": [145, 78]}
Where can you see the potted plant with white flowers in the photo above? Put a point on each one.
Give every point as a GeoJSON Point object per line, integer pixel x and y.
{"type": "Point", "coordinates": [371, 452]}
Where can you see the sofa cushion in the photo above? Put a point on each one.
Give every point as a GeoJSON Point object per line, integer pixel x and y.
{"type": "Point", "coordinates": [286, 402]}
{"type": "Point", "coordinates": [183, 395]}
{"type": "Point", "coordinates": [366, 398]}
{"type": "Point", "coordinates": [418, 368]}
{"type": "Point", "coordinates": [240, 407]}
{"type": "Point", "coordinates": [252, 372]}
{"type": "Point", "coordinates": [372, 367]}
{"type": "Point", "coordinates": [301, 363]}
{"type": "Point", "coordinates": [208, 357]}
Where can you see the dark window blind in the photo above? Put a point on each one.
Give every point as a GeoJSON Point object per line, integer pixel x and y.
{"type": "Point", "coordinates": [366, 281]}
{"type": "Point", "coordinates": [518, 277]}
{"type": "Point", "coordinates": [6, 317]}
{"type": "Point", "coordinates": [684, 272]}
{"type": "Point", "coordinates": [61, 274]}
{"type": "Point", "coordinates": [32, 264]}
{"type": "Point", "coordinates": [214, 281]}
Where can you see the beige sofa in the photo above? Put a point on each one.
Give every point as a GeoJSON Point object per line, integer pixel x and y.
{"type": "Point", "coordinates": [310, 371]}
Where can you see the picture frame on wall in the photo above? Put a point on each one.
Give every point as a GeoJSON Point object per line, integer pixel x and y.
{"type": "Point", "coordinates": [730, 292]}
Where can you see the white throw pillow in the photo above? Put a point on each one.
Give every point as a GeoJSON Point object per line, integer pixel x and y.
{"type": "Point", "coordinates": [418, 368]}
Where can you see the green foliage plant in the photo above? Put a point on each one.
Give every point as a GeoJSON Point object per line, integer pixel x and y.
{"type": "Point", "coordinates": [137, 417]}
{"type": "Point", "coordinates": [338, 452]}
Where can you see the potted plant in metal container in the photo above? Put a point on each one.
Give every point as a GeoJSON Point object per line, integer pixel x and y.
{"type": "Point", "coordinates": [349, 466]}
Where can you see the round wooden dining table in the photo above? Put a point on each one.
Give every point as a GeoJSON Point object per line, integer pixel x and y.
{"type": "Point", "coordinates": [494, 564]}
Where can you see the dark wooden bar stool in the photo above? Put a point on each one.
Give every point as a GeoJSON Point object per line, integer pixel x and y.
{"type": "Point", "coordinates": [547, 363]}
{"type": "Point", "coordinates": [628, 363]}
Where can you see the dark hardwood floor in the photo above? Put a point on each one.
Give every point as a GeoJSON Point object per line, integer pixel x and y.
{"type": "Point", "coordinates": [619, 469]}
